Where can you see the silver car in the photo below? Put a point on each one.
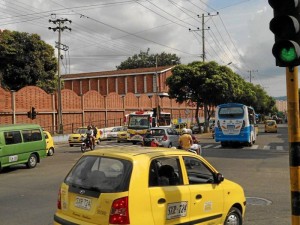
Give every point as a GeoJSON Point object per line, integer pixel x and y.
{"type": "Point", "coordinates": [166, 136]}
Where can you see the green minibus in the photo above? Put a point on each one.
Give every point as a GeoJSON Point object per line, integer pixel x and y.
{"type": "Point", "coordinates": [21, 144]}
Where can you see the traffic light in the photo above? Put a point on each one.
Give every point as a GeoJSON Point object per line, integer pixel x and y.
{"type": "Point", "coordinates": [29, 114]}
{"type": "Point", "coordinates": [154, 112]}
{"type": "Point", "coordinates": [33, 113]}
{"type": "Point", "coordinates": [286, 27]}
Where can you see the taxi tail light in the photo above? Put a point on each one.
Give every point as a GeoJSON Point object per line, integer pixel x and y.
{"type": "Point", "coordinates": [119, 213]}
{"type": "Point", "coordinates": [59, 200]}
{"type": "Point", "coordinates": [165, 137]}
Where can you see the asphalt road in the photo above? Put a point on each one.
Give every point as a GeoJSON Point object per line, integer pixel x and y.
{"type": "Point", "coordinates": [28, 196]}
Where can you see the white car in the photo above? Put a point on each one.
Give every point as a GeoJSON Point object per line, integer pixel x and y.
{"type": "Point", "coordinates": [113, 133]}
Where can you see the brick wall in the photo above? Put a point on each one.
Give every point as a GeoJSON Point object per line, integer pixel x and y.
{"type": "Point", "coordinates": [78, 110]}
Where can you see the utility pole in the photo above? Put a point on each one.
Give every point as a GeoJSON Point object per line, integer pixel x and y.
{"type": "Point", "coordinates": [59, 46]}
{"type": "Point", "coordinates": [156, 99]}
{"type": "Point", "coordinates": [285, 26]}
{"type": "Point", "coordinates": [203, 59]}
{"type": "Point", "coordinates": [251, 71]}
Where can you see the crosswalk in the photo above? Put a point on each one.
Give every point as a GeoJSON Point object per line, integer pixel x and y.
{"type": "Point", "coordinates": [208, 146]}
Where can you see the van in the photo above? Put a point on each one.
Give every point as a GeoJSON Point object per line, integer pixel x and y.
{"type": "Point", "coordinates": [21, 144]}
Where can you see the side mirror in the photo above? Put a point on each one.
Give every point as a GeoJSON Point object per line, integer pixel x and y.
{"type": "Point", "coordinates": [219, 178]}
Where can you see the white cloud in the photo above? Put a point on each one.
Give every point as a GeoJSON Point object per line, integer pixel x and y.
{"type": "Point", "coordinates": [105, 33]}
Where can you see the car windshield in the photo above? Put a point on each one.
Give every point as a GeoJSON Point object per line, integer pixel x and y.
{"type": "Point", "coordinates": [158, 132]}
{"type": "Point", "coordinates": [81, 130]}
{"type": "Point", "coordinates": [100, 174]}
{"type": "Point", "coordinates": [271, 123]}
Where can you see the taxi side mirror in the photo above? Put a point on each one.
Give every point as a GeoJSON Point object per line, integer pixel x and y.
{"type": "Point", "coordinates": [219, 178]}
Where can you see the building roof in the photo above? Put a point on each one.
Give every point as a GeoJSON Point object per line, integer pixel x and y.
{"type": "Point", "coordinates": [117, 73]}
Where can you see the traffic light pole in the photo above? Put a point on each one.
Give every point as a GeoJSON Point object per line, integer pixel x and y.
{"type": "Point", "coordinates": [294, 140]}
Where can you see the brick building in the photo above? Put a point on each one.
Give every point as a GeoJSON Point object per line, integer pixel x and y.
{"type": "Point", "coordinates": [137, 81]}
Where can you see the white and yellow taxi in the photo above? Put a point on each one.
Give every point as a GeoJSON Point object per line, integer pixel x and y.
{"type": "Point", "coordinates": [151, 186]}
{"type": "Point", "coordinates": [270, 126]}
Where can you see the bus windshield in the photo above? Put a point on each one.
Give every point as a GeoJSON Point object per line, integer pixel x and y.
{"type": "Point", "coordinates": [232, 112]}
{"type": "Point", "coordinates": [139, 121]}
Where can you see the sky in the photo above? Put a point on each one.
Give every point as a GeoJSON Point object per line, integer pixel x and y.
{"type": "Point", "coordinates": [106, 32]}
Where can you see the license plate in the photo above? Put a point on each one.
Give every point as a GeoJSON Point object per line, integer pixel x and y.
{"type": "Point", "coordinates": [230, 128]}
{"type": "Point", "coordinates": [176, 210]}
{"type": "Point", "coordinates": [83, 203]}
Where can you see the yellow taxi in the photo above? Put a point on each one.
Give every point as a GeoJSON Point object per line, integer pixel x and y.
{"type": "Point", "coordinates": [75, 138]}
{"type": "Point", "coordinates": [122, 135]}
{"type": "Point", "coordinates": [270, 126]}
{"type": "Point", "coordinates": [49, 143]}
{"type": "Point", "coordinates": [150, 186]}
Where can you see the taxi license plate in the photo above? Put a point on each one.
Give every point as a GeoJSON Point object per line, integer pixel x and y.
{"type": "Point", "coordinates": [176, 210]}
{"type": "Point", "coordinates": [83, 203]}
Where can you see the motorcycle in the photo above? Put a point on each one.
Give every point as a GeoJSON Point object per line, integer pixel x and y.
{"type": "Point", "coordinates": [86, 144]}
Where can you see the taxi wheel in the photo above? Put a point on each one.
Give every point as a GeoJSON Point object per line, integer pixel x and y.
{"type": "Point", "coordinates": [32, 161]}
{"type": "Point", "coordinates": [50, 151]}
{"type": "Point", "coordinates": [71, 145]}
{"type": "Point", "coordinates": [234, 217]}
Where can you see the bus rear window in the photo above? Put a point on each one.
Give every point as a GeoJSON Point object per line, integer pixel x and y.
{"type": "Point", "coordinates": [233, 112]}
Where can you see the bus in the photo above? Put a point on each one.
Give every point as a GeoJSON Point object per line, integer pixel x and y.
{"type": "Point", "coordinates": [139, 122]}
{"type": "Point", "coordinates": [235, 123]}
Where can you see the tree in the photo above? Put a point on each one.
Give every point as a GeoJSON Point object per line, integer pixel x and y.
{"type": "Point", "coordinates": [209, 85]}
{"type": "Point", "coordinates": [145, 60]}
{"type": "Point", "coordinates": [26, 60]}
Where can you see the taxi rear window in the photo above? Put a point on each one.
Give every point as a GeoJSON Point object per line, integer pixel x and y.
{"type": "Point", "coordinates": [102, 174]}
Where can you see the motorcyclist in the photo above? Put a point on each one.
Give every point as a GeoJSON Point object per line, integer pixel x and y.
{"type": "Point", "coordinates": [185, 140]}
{"type": "Point", "coordinates": [90, 135]}
{"type": "Point", "coordinates": [149, 140]}
{"type": "Point", "coordinates": [95, 131]}
{"type": "Point", "coordinates": [195, 146]}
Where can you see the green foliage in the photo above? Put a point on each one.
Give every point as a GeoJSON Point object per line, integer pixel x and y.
{"type": "Point", "coordinates": [145, 60]}
{"type": "Point", "coordinates": [209, 84]}
{"type": "Point", "coordinates": [26, 60]}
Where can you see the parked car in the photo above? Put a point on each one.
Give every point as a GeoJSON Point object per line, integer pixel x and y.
{"type": "Point", "coordinates": [176, 187]}
{"type": "Point", "coordinates": [196, 130]}
{"type": "Point", "coordinates": [122, 135]}
{"type": "Point", "coordinates": [270, 126]}
{"type": "Point", "coordinates": [166, 136]}
{"type": "Point", "coordinates": [104, 133]}
{"type": "Point", "coordinates": [49, 143]}
{"type": "Point", "coordinates": [113, 134]}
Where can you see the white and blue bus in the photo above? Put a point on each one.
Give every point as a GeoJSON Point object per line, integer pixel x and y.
{"type": "Point", "coordinates": [235, 124]}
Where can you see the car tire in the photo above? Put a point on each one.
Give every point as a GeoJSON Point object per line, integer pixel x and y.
{"type": "Point", "coordinates": [32, 161]}
{"type": "Point", "coordinates": [170, 145]}
{"type": "Point", "coordinates": [51, 152]}
{"type": "Point", "coordinates": [234, 216]}
{"type": "Point", "coordinates": [71, 145]}
{"type": "Point", "coordinates": [118, 141]}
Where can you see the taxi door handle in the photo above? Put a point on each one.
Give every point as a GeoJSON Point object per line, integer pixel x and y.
{"type": "Point", "coordinates": [198, 196]}
{"type": "Point", "coordinates": [161, 201]}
